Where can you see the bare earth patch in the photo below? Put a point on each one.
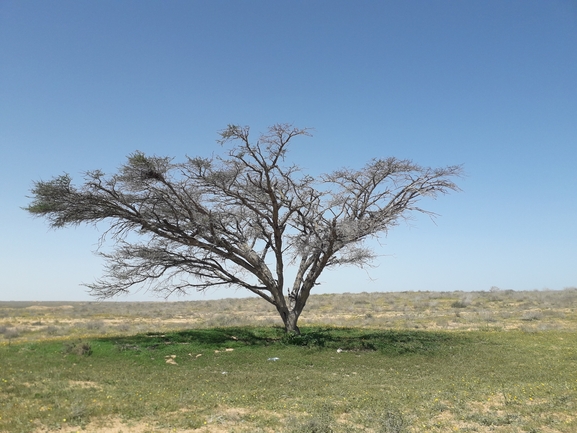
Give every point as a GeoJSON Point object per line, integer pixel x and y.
{"type": "Point", "coordinates": [83, 384]}
{"type": "Point", "coordinates": [221, 422]}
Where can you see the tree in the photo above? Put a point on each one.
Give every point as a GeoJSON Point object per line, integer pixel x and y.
{"type": "Point", "coordinates": [238, 220]}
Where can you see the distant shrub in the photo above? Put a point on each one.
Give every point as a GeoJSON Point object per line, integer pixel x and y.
{"type": "Point", "coordinates": [487, 316]}
{"type": "Point", "coordinates": [10, 334]}
{"type": "Point", "coordinates": [51, 330]}
{"type": "Point", "coordinates": [94, 324]}
{"type": "Point", "coordinates": [123, 327]}
{"type": "Point", "coordinates": [221, 320]}
{"type": "Point", "coordinates": [459, 304]}
{"type": "Point", "coordinates": [532, 315]}
{"type": "Point", "coordinates": [362, 302]}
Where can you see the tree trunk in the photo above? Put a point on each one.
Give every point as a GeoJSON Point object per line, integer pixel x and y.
{"type": "Point", "coordinates": [290, 319]}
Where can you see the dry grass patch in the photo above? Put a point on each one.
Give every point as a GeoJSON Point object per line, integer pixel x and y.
{"type": "Point", "coordinates": [83, 384]}
{"type": "Point", "coordinates": [497, 309]}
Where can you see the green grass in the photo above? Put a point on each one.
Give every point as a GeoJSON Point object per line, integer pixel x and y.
{"type": "Point", "coordinates": [381, 381]}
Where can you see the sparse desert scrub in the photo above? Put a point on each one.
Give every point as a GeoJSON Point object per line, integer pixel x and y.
{"type": "Point", "coordinates": [500, 309]}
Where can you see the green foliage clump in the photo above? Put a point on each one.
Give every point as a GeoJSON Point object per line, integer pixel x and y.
{"type": "Point", "coordinates": [307, 339]}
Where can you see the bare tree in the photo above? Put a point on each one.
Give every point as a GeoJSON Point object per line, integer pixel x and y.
{"type": "Point", "coordinates": [238, 220]}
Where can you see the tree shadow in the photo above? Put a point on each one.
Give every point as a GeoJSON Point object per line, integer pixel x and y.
{"type": "Point", "coordinates": [390, 342]}
{"type": "Point", "coordinates": [211, 337]}
{"type": "Point", "coordinates": [400, 342]}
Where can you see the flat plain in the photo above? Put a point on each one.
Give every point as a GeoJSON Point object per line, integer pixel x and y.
{"type": "Point", "coordinates": [495, 361]}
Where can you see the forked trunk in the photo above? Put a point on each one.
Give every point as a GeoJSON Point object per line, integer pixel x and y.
{"type": "Point", "coordinates": [290, 319]}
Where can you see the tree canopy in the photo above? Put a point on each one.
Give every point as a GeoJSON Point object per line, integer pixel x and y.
{"type": "Point", "coordinates": [238, 220]}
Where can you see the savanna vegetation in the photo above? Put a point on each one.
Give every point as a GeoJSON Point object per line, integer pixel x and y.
{"type": "Point", "coordinates": [497, 361]}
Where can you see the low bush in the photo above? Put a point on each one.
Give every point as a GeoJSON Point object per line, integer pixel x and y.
{"type": "Point", "coordinates": [94, 324]}
{"type": "Point", "coordinates": [51, 330]}
{"type": "Point", "coordinates": [80, 348]}
{"type": "Point", "coordinates": [459, 304]}
{"type": "Point", "coordinates": [11, 334]}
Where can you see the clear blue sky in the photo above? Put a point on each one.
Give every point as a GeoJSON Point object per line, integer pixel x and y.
{"type": "Point", "coordinates": [488, 84]}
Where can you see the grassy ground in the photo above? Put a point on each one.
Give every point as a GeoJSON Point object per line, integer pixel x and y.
{"type": "Point", "coordinates": [510, 374]}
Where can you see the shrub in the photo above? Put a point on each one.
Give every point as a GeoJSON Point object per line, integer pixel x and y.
{"type": "Point", "coordinates": [532, 315]}
{"type": "Point", "coordinates": [78, 411]}
{"type": "Point", "coordinates": [392, 422]}
{"type": "Point", "coordinates": [80, 348]}
{"type": "Point", "coordinates": [321, 422]}
{"type": "Point", "coordinates": [310, 339]}
{"type": "Point", "coordinates": [314, 425]}
{"type": "Point", "coordinates": [123, 327]}
{"type": "Point", "coordinates": [11, 334]}
{"type": "Point", "coordinates": [51, 330]}
{"type": "Point", "coordinates": [94, 324]}
{"type": "Point", "coordinates": [459, 304]}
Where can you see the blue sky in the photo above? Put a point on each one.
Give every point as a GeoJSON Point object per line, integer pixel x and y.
{"type": "Point", "coordinates": [491, 85]}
